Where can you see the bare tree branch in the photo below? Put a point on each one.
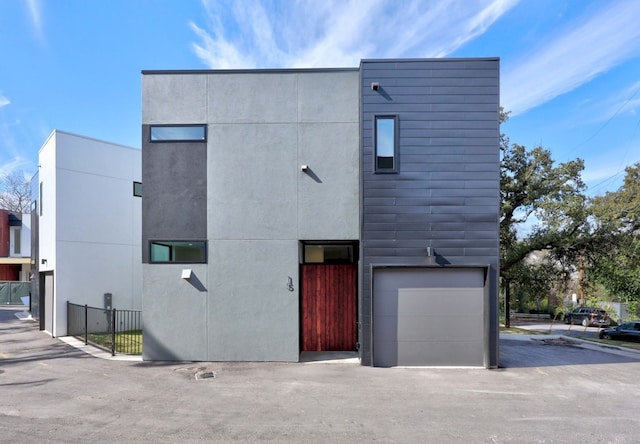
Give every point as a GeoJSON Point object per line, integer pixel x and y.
{"type": "Point", "coordinates": [15, 192]}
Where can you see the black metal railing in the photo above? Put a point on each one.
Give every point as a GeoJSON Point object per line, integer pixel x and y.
{"type": "Point", "coordinates": [117, 331]}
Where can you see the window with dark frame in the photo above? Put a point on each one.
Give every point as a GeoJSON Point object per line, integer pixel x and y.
{"type": "Point", "coordinates": [185, 252]}
{"type": "Point", "coordinates": [385, 144]}
{"type": "Point", "coordinates": [329, 253]}
{"type": "Point", "coordinates": [137, 189]}
{"type": "Point", "coordinates": [178, 133]}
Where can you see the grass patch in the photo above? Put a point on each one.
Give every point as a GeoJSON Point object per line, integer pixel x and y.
{"type": "Point", "coordinates": [127, 342]}
{"type": "Point", "coordinates": [520, 331]}
{"type": "Point", "coordinates": [622, 344]}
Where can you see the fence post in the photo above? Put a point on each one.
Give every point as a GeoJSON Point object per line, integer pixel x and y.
{"type": "Point", "coordinates": [113, 332]}
{"type": "Point", "coordinates": [86, 324]}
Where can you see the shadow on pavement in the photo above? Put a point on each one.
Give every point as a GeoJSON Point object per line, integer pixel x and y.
{"type": "Point", "coordinates": [549, 352]}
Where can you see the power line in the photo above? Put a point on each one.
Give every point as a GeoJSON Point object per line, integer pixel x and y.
{"type": "Point", "coordinates": [607, 122]}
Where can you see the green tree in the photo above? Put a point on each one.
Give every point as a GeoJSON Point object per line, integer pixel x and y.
{"type": "Point", "coordinates": [543, 203]}
{"type": "Point", "coordinates": [617, 239]}
{"type": "Point", "coordinates": [543, 208]}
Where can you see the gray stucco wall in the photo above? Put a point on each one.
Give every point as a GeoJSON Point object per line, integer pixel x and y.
{"type": "Point", "coordinates": [257, 204]}
{"type": "Point", "coordinates": [446, 192]}
{"type": "Point", "coordinates": [174, 177]}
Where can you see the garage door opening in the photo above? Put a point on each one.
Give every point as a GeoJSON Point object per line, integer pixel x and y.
{"type": "Point", "coordinates": [429, 316]}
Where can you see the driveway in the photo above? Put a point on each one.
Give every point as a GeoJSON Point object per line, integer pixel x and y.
{"type": "Point", "coordinates": [558, 328]}
{"type": "Point", "coordinates": [545, 392]}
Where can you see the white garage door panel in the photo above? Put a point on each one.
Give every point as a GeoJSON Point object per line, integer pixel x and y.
{"type": "Point", "coordinates": [433, 328]}
{"type": "Point", "coordinates": [441, 300]}
{"type": "Point", "coordinates": [439, 353]}
{"type": "Point", "coordinates": [427, 316]}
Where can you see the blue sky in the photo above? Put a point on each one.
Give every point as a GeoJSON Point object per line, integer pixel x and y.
{"type": "Point", "coordinates": [570, 69]}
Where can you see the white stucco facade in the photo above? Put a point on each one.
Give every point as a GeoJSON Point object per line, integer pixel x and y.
{"type": "Point", "coordinates": [89, 224]}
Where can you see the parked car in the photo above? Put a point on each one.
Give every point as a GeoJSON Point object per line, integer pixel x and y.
{"type": "Point", "coordinates": [627, 331]}
{"type": "Point", "coordinates": [588, 316]}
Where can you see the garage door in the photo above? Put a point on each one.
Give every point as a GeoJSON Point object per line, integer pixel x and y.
{"type": "Point", "coordinates": [428, 316]}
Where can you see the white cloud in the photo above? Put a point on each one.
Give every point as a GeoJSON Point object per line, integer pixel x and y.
{"type": "Point", "coordinates": [17, 163]}
{"type": "Point", "coordinates": [585, 50]}
{"type": "Point", "coordinates": [626, 101]}
{"type": "Point", "coordinates": [35, 13]}
{"type": "Point", "coordinates": [4, 101]}
{"type": "Point", "coordinates": [337, 32]}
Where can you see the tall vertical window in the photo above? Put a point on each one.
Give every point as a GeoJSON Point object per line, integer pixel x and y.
{"type": "Point", "coordinates": [40, 198]}
{"type": "Point", "coordinates": [385, 142]}
{"type": "Point", "coordinates": [15, 241]}
{"type": "Point", "coordinates": [137, 189]}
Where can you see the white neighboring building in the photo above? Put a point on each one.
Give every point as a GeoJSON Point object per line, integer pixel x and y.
{"type": "Point", "coordinates": [89, 223]}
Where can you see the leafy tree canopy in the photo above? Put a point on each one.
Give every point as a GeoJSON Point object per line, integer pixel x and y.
{"type": "Point", "coordinates": [539, 194]}
{"type": "Point", "coordinates": [615, 262]}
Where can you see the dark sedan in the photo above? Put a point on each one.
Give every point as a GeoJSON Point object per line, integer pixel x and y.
{"type": "Point", "coordinates": [627, 331]}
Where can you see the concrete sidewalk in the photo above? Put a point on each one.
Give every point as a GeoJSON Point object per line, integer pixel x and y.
{"type": "Point", "coordinates": [545, 392]}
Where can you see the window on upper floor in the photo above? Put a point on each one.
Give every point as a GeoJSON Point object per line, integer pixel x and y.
{"type": "Point", "coordinates": [179, 251]}
{"type": "Point", "coordinates": [385, 143]}
{"type": "Point", "coordinates": [137, 189]}
{"type": "Point", "coordinates": [40, 195]}
{"type": "Point", "coordinates": [15, 241]}
{"type": "Point", "coordinates": [178, 133]}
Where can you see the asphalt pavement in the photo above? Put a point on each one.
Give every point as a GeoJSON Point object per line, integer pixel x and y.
{"type": "Point", "coordinates": [548, 389]}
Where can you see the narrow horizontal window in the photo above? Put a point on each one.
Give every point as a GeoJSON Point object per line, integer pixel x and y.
{"type": "Point", "coordinates": [386, 150]}
{"type": "Point", "coordinates": [326, 253]}
{"type": "Point", "coordinates": [178, 133]}
{"type": "Point", "coordinates": [179, 251]}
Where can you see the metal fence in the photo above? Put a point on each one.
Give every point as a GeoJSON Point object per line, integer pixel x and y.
{"type": "Point", "coordinates": [118, 331]}
{"type": "Point", "coordinates": [11, 292]}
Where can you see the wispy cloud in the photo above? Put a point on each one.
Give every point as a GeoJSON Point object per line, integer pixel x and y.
{"type": "Point", "coordinates": [626, 101]}
{"type": "Point", "coordinates": [4, 101]}
{"type": "Point", "coordinates": [282, 33]}
{"type": "Point", "coordinates": [35, 13]}
{"type": "Point", "coordinates": [586, 49]}
{"type": "Point", "coordinates": [17, 163]}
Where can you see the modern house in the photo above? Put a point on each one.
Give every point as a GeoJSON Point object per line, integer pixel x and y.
{"type": "Point", "coordinates": [15, 256]}
{"type": "Point", "coordinates": [298, 210]}
{"type": "Point", "coordinates": [86, 223]}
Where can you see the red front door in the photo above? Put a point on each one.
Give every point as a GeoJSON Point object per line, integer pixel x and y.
{"type": "Point", "coordinates": [328, 307]}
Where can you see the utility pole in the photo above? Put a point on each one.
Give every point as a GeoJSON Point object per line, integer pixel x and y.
{"type": "Point", "coordinates": [581, 278]}
{"type": "Point", "coordinates": [507, 303]}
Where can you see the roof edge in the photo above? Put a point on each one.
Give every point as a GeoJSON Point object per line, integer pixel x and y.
{"type": "Point", "coordinates": [246, 71]}
{"type": "Point", "coordinates": [432, 59]}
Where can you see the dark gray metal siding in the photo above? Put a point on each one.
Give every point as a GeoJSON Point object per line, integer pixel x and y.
{"type": "Point", "coordinates": [446, 192]}
{"type": "Point", "coordinates": [174, 191]}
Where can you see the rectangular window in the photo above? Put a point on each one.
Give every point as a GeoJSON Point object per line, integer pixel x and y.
{"type": "Point", "coordinates": [40, 198]}
{"type": "Point", "coordinates": [179, 251]}
{"type": "Point", "coordinates": [16, 240]}
{"type": "Point", "coordinates": [386, 146]}
{"type": "Point", "coordinates": [328, 253]}
{"type": "Point", "coordinates": [178, 133]}
{"type": "Point", "coordinates": [137, 189]}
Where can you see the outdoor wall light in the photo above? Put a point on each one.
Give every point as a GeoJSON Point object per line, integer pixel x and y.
{"type": "Point", "coordinates": [375, 86]}
{"type": "Point", "coordinates": [186, 273]}
{"type": "Point", "coordinates": [304, 167]}
{"type": "Point", "coordinates": [43, 261]}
